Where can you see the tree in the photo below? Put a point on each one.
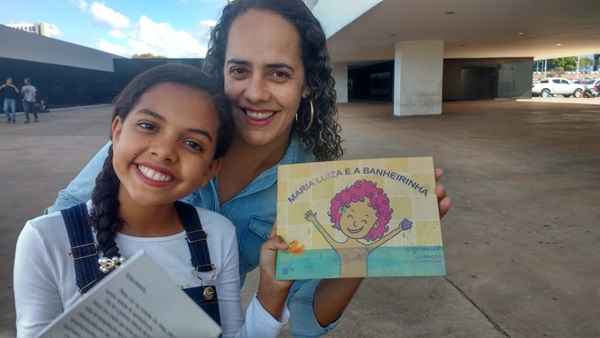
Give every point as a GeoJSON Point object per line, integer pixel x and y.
{"type": "Point", "coordinates": [585, 63]}
{"type": "Point", "coordinates": [566, 63]}
{"type": "Point", "coordinates": [147, 56]}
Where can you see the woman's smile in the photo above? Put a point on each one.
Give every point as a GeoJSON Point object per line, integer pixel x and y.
{"type": "Point", "coordinates": [257, 117]}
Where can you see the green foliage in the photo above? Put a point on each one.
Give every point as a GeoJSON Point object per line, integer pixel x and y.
{"type": "Point", "coordinates": [566, 63]}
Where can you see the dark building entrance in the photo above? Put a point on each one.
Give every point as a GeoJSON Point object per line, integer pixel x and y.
{"type": "Point", "coordinates": [373, 81]}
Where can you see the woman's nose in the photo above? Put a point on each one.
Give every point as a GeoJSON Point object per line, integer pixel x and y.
{"type": "Point", "coordinates": [257, 90]}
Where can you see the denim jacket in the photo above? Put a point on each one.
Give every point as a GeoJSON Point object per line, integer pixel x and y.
{"type": "Point", "coordinates": [252, 211]}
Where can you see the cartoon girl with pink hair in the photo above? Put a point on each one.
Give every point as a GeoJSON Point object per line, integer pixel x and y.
{"type": "Point", "coordinates": [362, 213]}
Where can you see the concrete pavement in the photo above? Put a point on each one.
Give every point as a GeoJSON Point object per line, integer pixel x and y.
{"type": "Point", "coordinates": [521, 242]}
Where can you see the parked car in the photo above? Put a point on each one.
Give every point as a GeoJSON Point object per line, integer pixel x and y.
{"type": "Point", "coordinates": [557, 86]}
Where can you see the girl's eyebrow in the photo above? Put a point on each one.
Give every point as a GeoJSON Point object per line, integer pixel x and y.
{"type": "Point", "coordinates": [162, 118]}
{"type": "Point", "coordinates": [152, 113]}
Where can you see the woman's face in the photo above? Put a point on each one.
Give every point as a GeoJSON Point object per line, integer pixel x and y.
{"type": "Point", "coordinates": [263, 76]}
{"type": "Point", "coordinates": [164, 149]}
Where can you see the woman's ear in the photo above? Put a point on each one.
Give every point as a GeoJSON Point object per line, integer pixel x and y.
{"type": "Point", "coordinates": [305, 92]}
{"type": "Point", "coordinates": [115, 129]}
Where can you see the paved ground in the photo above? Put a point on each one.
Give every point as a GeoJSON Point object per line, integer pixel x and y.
{"type": "Point", "coordinates": [561, 99]}
{"type": "Point", "coordinates": [521, 242]}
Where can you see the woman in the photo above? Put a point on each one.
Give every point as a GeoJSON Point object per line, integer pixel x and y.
{"type": "Point", "coordinates": [271, 58]}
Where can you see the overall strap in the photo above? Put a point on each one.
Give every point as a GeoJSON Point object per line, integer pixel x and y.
{"type": "Point", "coordinates": [204, 296]}
{"type": "Point", "coordinates": [195, 237]}
{"type": "Point", "coordinates": [83, 246]}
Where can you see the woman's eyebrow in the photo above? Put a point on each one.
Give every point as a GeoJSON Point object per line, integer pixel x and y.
{"type": "Point", "coordinates": [268, 65]}
{"type": "Point", "coordinates": [238, 62]}
{"type": "Point", "coordinates": [280, 65]}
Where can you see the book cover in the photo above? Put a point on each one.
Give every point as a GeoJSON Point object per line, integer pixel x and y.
{"type": "Point", "coordinates": [359, 218]}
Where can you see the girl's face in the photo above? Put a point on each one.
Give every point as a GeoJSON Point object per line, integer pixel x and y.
{"type": "Point", "coordinates": [357, 219]}
{"type": "Point", "coordinates": [263, 76]}
{"type": "Point", "coordinates": [164, 149]}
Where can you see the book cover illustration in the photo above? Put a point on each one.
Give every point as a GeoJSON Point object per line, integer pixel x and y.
{"type": "Point", "coordinates": [359, 218]}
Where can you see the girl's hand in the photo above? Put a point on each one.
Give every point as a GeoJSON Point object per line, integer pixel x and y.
{"type": "Point", "coordinates": [444, 202]}
{"type": "Point", "coordinates": [272, 293]}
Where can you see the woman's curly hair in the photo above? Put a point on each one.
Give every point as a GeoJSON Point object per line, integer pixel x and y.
{"type": "Point", "coordinates": [322, 136]}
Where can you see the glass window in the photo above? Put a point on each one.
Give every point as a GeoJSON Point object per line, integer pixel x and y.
{"type": "Point", "coordinates": [544, 81]}
{"type": "Point", "coordinates": [564, 82]}
{"type": "Point", "coordinates": [556, 81]}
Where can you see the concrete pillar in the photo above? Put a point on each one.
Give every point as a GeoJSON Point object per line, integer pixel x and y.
{"type": "Point", "coordinates": [418, 73]}
{"type": "Point", "coordinates": [340, 74]}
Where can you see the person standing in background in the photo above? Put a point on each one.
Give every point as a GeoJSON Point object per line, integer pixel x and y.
{"type": "Point", "coordinates": [29, 92]}
{"type": "Point", "coordinates": [9, 92]}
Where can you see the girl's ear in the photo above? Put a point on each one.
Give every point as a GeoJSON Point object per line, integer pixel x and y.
{"type": "Point", "coordinates": [115, 129]}
{"type": "Point", "coordinates": [213, 170]}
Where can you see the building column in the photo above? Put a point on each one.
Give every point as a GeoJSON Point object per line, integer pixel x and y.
{"type": "Point", "coordinates": [340, 74]}
{"type": "Point", "coordinates": [418, 71]}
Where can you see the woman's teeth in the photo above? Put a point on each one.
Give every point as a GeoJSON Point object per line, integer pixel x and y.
{"type": "Point", "coordinates": [153, 174]}
{"type": "Point", "coordinates": [259, 115]}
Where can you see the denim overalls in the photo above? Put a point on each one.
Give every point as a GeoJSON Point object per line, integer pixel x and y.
{"type": "Point", "coordinates": [85, 254]}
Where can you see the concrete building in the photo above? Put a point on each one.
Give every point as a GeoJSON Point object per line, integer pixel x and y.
{"type": "Point", "coordinates": [40, 28]}
{"type": "Point", "coordinates": [67, 74]}
{"type": "Point", "coordinates": [419, 53]}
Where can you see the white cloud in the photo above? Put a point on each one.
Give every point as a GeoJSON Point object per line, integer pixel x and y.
{"type": "Point", "coordinates": [158, 38]}
{"type": "Point", "coordinates": [208, 24]}
{"type": "Point", "coordinates": [52, 30]}
{"type": "Point", "coordinates": [115, 33]}
{"type": "Point", "coordinates": [113, 48]}
{"type": "Point", "coordinates": [109, 16]}
{"type": "Point", "coordinates": [81, 4]}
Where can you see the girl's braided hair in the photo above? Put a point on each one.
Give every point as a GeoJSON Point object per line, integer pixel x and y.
{"type": "Point", "coordinates": [322, 136]}
{"type": "Point", "coordinates": [104, 217]}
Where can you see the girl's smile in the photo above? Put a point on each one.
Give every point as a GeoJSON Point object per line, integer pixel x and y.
{"type": "Point", "coordinates": [154, 175]}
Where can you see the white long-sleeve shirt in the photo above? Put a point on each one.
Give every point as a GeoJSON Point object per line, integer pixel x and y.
{"type": "Point", "coordinates": [45, 284]}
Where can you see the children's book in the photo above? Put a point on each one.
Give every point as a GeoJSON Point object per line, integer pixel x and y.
{"type": "Point", "coordinates": [138, 299]}
{"type": "Point", "coordinates": [359, 218]}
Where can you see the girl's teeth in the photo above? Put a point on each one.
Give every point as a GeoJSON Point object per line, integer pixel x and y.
{"type": "Point", "coordinates": [153, 174]}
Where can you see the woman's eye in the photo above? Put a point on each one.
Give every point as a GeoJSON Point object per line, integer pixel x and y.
{"type": "Point", "coordinates": [280, 76]}
{"type": "Point", "coordinates": [237, 72]}
{"type": "Point", "coordinates": [193, 145]}
{"type": "Point", "coordinates": [146, 125]}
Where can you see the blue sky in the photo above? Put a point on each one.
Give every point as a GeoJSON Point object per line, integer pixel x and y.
{"type": "Point", "coordinates": [173, 28]}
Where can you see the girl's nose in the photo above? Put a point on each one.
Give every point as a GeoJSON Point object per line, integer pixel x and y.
{"type": "Point", "coordinates": [164, 150]}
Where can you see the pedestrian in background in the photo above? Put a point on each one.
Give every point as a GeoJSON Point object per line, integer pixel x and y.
{"type": "Point", "coordinates": [10, 93]}
{"type": "Point", "coordinates": [29, 92]}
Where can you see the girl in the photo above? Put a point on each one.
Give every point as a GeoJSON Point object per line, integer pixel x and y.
{"type": "Point", "coordinates": [271, 58]}
{"type": "Point", "coordinates": [170, 128]}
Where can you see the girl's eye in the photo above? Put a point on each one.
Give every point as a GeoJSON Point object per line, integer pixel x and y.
{"type": "Point", "coordinates": [145, 125]}
{"type": "Point", "coordinates": [193, 145]}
